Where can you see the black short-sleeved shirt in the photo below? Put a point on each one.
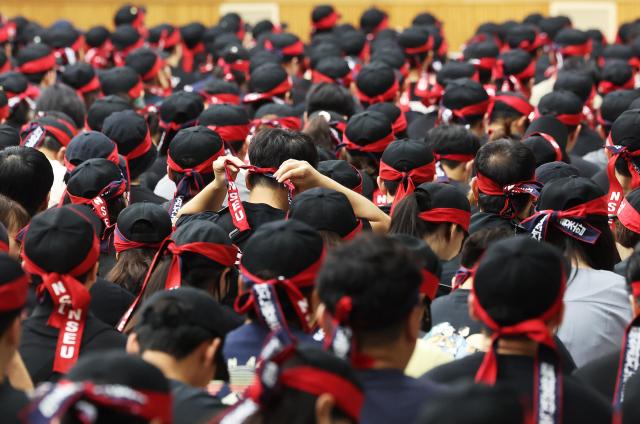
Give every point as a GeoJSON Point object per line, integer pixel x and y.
{"type": "Point", "coordinates": [601, 374]}
{"type": "Point", "coordinates": [257, 215]}
{"type": "Point", "coordinates": [38, 343]}
{"type": "Point", "coordinates": [109, 301]}
{"type": "Point", "coordinates": [12, 402]}
{"type": "Point", "coordinates": [482, 220]}
{"type": "Point", "coordinates": [192, 405]}
{"type": "Point", "coordinates": [581, 403]}
{"type": "Point", "coordinates": [141, 194]}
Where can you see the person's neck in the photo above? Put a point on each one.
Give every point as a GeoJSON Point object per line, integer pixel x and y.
{"type": "Point", "coordinates": [456, 174]}
{"type": "Point", "coordinates": [5, 358]}
{"type": "Point", "coordinates": [624, 252]}
{"type": "Point", "coordinates": [438, 246]}
{"type": "Point", "coordinates": [172, 368]}
{"type": "Point", "coordinates": [50, 154]}
{"type": "Point", "coordinates": [393, 356]}
{"type": "Point", "coordinates": [273, 197]}
{"type": "Point", "coordinates": [517, 346]}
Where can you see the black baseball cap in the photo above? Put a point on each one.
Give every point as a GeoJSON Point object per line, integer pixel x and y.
{"type": "Point", "coordinates": [35, 58]}
{"type": "Point", "coordinates": [375, 83]}
{"type": "Point", "coordinates": [454, 70]}
{"type": "Point", "coordinates": [9, 136]}
{"type": "Point", "coordinates": [102, 108]}
{"type": "Point", "coordinates": [578, 82]}
{"type": "Point", "coordinates": [130, 132]}
{"type": "Point", "coordinates": [614, 104]}
{"type": "Point", "coordinates": [326, 210]}
{"type": "Point", "coordinates": [549, 125]}
{"type": "Point", "coordinates": [551, 171]}
{"type": "Point", "coordinates": [97, 36]}
{"type": "Point", "coordinates": [81, 77]}
{"type": "Point", "coordinates": [181, 108]}
{"type": "Point", "coordinates": [145, 222]}
{"type": "Point", "coordinates": [405, 155]}
{"type": "Point", "coordinates": [368, 130]}
{"type": "Point", "coordinates": [88, 145]}
{"type": "Point", "coordinates": [122, 79]}
{"type": "Point", "coordinates": [624, 131]}
{"type": "Point", "coordinates": [193, 146]}
{"type": "Point", "coordinates": [124, 37]}
{"type": "Point", "coordinates": [565, 193]}
{"type": "Point", "coordinates": [89, 178]}
{"type": "Point", "coordinates": [144, 61]}
{"type": "Point", "coordinates": [342, 172]}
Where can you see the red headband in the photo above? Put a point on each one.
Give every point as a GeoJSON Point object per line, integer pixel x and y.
{"type": "Point", "coordinates": [387, 96]}
{"type": "Point", "coordinates": [168, 41]}
{"type": "Point", "coordinates": [570, 221]}
{"type": "Point", "coordinates": [527, 73]}
{"type": "Point", "coordinates": [92, 85]}
{"type": "Point", "coordinates": [489, 187]}
{"type": "Point", "coordinates": [188, 55]}
{"type": "Point", "coordinates": [230, 133]}
{"type": "Point", "coordinates": [278, 90]}
{"type": "Point", "coordinates": [570, 119]}
{"type": "Point", "coordinates": [347, 396]}
{"type": "Point", "coordinates": [4, 111]}
{"type": "Point", "coordinates": [400, 124]}
{"type": "Point", "coordinates": [295, 49]}
{"type": "Point", "coordinates": [121, 243]}
{"type": "Point", "coordinates": [290, 285]}
{"type": "Point", "coordinates": [327, 22]}
{"type": "Point", "coordinates": [221, 98]}
{"type": "Point", "coordinates": [471, 110]}
{"type": "Point", "coordinates": [151, 73]}
{"type": "Point", "coordinates": [424, 48]}
{"type": "Point", "coordinates": [487, 63]}
{"type": "Point", "coordinates": [113, 157]}
{"type": "Point", "coordinates": [37, 133]}
{"type": "Point", "coordinates": [376, 147]}
{"type": "Point", "coordinates": [521, 105]}
{"type": "Point", "coordinates": [70, 304]}
{"type": "Point", "coordinates": [318, 77]}
{"type": "Point", "coordinates": [287, 122]}
{"type": "Point", "coordinates": [447, 215]}
{"type": "Point", "coordinates": [13, 294]}
{"type": "Point", "coordinates": [99, 202]}
{"type": "Point", "coordinates": [41, 64]}
{"type": "Point", "coordinates": [416, 176]}
{"type": "Point", "coordinates": [615, 188]}
{"type": "Point", "coordinates": [222, 254]}
{"type": "Point", "coordinates": [456, 157]}
{"type": "Point", "coordinates": [552, 142]}
{"type": "Point", "coordinates": [577, 50]}
{"type": "Point", "coordinates": [629, 216]}
{"type": "Point", "coordinates": [536, 330]}
{"type": "Point", "coordinates": [203, 167]}
{"type": "Point", "coordinates": [142, 148]}
{"type": "Point", "coordinates": [135, 91]}
{"type": "Point", "coordinates": [606, 87]}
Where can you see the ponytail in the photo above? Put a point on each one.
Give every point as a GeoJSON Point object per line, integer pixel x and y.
{"type": "Point", "coordinates": [405, 218]}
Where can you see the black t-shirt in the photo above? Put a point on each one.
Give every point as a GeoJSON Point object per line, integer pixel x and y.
{"type": "Point", "coordinates": [192, 405]}
{"type": "Point", "coordinates": [39, 340]}
{"type": "Point", "coordinates": [109, 301]}
{"type": "Point", "coordinates": [141, 194]}
{"type": "Point", "coordinates": [588, 141]}
{"type": "Point", "coordinates": [420, 126]}
{"type": "Point", "coordinates": [581, 404]}
{"type": "Point", "coordinates": [151, 176]}
{"type": "Point", "coordinates": [257, 215]}
{"type": "Point", "coordinates": [12, 402]}
{"type": "Point", "coordinates": [482, 220]}
{"type": "Point", "coordinates": [600, 374]}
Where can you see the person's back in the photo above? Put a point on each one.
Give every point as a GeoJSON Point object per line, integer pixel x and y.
{"type": "Point", "coordinates": [352, 284]}
{"type": "Point", "coordinates": [520, 302]}
{"type": "Point", "coordinates": [62, 249]}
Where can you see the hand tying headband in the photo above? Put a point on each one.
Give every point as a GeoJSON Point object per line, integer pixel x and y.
{"type": "Point", "coordinates": [489, 187]}
{"type": "Point", "coordinates": [222, 254]}
{"type": "Point", "coordinates": [70, 304]}
{"type": "Point", "coordinates": [191, 182]}
{"type": "Point", "coordinates": [571, 221]}
{"type": "Point", "coordinates": [407, 180]}
{"type": "Point", "coordinates": [53, 401]}
{"type": "Point", "coordinates": [263, 297]}
{"type": "Point", "coordinates": [547, 393]}
{"type": "Point", "coordinates": [236, 209]}
{"type": "Point", "coordinates": [615, 187]}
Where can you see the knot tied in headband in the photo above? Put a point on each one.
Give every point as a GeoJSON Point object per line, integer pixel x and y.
{"type": "Point", "coordinates": [70, 300]}
{"type": "Point", "coordinates": [489, 187]}
{"type": "Point", "coordinates": [547, 393]}
{"type": "Point", "coordinates": [222, 254]}
{"type": "Point", "coordinates": [407, 180]}
{"type": "Point", "coordinates": [99, 203]}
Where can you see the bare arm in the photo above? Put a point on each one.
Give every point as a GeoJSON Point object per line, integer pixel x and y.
{"type": "Point", "coordinates": [18, 374]}
{"type": "Point", "coordinates": [212, 196]}
{"type": "Point", "coordinates": [304, 177]}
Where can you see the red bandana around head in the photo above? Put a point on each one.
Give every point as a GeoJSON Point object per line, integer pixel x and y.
{"type": "Point", "coordinates": [407, 180]}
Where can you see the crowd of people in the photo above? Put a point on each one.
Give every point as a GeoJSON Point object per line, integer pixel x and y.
{"type": "Point", "coordinates": [229, 224]}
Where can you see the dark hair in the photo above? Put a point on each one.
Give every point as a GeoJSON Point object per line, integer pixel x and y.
{"type": "Point", "coordinates": [478, 242]}
{"type": "Point", "coordinates": [131, 268]}
{"type": "Point", "coordinates": [12, 215]}
{"type": "Point", "coordinates": [62, 98]}
{"type": "Point", "coordinates": [166, 330]}
{"type": "Point", "coordinates": [382, 279]}
{"type": "Point", "coordinates": [270, 147]}
{"type": "Point", "coordinates": [25, 176]}
{"type": "Point", "coordinates": [405, 218]}
{"type": "Point", "coordinates": [505, 162]}
{"type": "Point", "coordinates": [19, 114]}
{"type": "Point", "coordinates": [626, 237]}
{"type": "Point", "coordinates": [319, 131]}
{"type": "Point", "coordinates": [333, 97]}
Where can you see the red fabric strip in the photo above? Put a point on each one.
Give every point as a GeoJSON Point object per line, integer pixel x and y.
{"type": "Point", "coordinates": [629, 216]}
{"type": "Point", "coordinates": [552, 142]}
{"type": "Point", "coordinates": [230, 133]}
{"type": "Point", "coordinates": [577, 50]}
{"type": "Point", "coordinates": [327, 22]}
{"type": "Point", "coordinates": [142, 148]}
{"type": "Point", "coordinates": [429, 284]}
{"type": "Point", "coordinates": [447, 215]}
{"type": "Point", "coordinates": [92, 85]}
{"type": "Point", "coordinates": [278, 90]}
{"type": "Point", "coordinates": [347, 396]}
{"type": "Point", "coordinates": [375, 147]}
{"type": "Point", "coordinates": [121, 243]}
{"type": "Point", "coordinates": [42, 64]}
{"type": "Point", "coordinates": [387, 96]}
{"type": "Point", "coordinates": [136, 90]}
{"type": "Point", "coordinates": [416, 176]}
{"type": "Point", "coordinates": [202, 168]}
{"type": "Point", "coordinates": [151, 73]}
{"type": "Point", "coordinates": [427, 46]}
{"type": "Point", "coordinates": [522, 106]}
{"type": "Point", "coordinates": [456, 157]}
{"type": "Point", "coordinates": [13, 295]}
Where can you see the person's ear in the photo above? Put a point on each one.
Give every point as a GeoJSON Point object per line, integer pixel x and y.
{"type": "Point", "coordinates": [11, 337]}
{"type": "Point", "coordinates": [324, 408]}
{"type": "Point", "coordinates": [60, 155]}
{"type": "Point", "coordinates": [222, 282]}
{"type": "Point", "coordinates": [468, 169]}
{"type": "Point", "coordinates": [413, 323]}
{"type": "Point", "coordinates": [133, 347]}
{"type": "Point", "coordinates": [322, 318]}
{"type": "Point", "coordinates": [169, 173]}
{"type": "Point", "coordinates": [247, 182]}
{"type": "Point", "coordinates": [92, 276]}
{"type": "Point", "coordinates": [209, 357]}
{"type": "Point", "coordinates": [473, 193]}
